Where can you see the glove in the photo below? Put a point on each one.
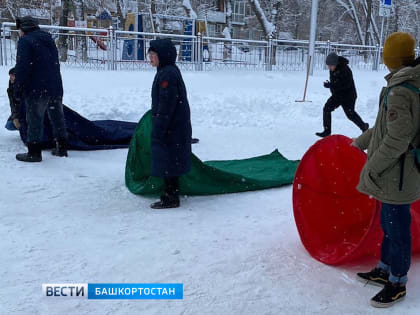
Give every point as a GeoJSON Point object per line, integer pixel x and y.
{"type": "Point", "coordinates": [327, 84]}
{"type": "Point", "coordinates": [16, 123]}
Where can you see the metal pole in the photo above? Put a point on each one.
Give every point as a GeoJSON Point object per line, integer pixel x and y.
{"type": "Point", "coordinates": [199, 48]}
{"type": "Point", "coordinates": [328, 52]}
{"type": "Point", "coordinates": [270, 54]}
{"type": "Point", "coordinates": [382, 32]}
{"type": "Point", "coordinates": [378, 50]}
{"type": "Point", "coordinates": [311, 56]}
{"type": "Point", "coordinates": [4, 47]}
{"type": "Point", "coordinates": [110, 48]}
{"type": "Point", "coordinates": [375, 65]}
{"type": "Point", "coordinates": [1, 46]}
{"type": "Point", "coordinates": [50, 12]}
{"type": "Point", "coordinates": [115, 49]}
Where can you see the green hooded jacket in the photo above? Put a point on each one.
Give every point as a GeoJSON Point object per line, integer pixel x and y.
{"type": "Point", "coordinates": [390, 174]}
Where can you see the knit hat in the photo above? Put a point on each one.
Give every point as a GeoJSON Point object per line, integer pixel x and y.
{"type": "Point", "coordinates": [332, 59]}
{"type": "Point", "coordinates": [27, 24]}
{"type": "Point", "coordinates": [12, 71]}
{"type": "Point", "coordinates": [399, 50]}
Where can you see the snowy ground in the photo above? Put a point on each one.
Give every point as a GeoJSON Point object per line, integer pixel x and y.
{"type": "Point", "coordinates": [73, 220]}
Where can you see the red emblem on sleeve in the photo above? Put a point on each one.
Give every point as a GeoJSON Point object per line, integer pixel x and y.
{"type": "Point", "coordinates": [164, 84]}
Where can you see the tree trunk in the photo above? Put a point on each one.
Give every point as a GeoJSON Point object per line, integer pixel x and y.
{"type": "Point", "coordinates": [120, 14]}
{"type": "Point", "coordinates": [63, 38]}
{"type": "Point", "coordinates": [275, 21]}
{"type": "Point", "coordinates": [368, 3]}
{"type": "Point", "coordinates": [227, 32]}
{"type": "Point", "coordinates": [357, 22]}
{"type": "Point", "coordinates": [267, 27]}
{"type": "Point", "coordinates": [397, 18]}
{"type": "Point", "coordinates": [186, 4]}
{"type": "Point", "coordinates": [351, 11]}
{"type": "Point", "coordinates": [155, 19]}
{"type": "Point", "coordinates": [81, 41]}
{"type": "Point", "coordinates": [10, 9]}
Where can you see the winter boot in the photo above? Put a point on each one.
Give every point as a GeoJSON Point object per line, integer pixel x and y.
{"type": "Point", "coordinates": [324, 134]}
{"type": "Point", "coordinates": [60, 148]}
{"type": "Point", "coordinates": [389, 295]}
{"type": "Point", "coordinates": [33, 155]}
{"type": "Point", "coordinates": [376, 276]}
{"type": "Point", "coordinates": [166, 202]}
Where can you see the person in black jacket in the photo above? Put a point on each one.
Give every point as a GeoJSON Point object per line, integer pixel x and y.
{"type": "Point", "coordinates": [38, 83]}
{"type": "Point", "coordinates": [13, 123]}
{"type": "Point", "coordinates": [171, 123]}
{"type": "Point", "coordinates": [343, 93]}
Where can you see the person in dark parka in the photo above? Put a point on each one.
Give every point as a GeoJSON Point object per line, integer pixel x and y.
{"type": "Point", "coordinates": [171, 123]}
{"type": "Point", "coordinates": [343, 92]}
{"type": "Point", "coordinates": [38, 84]}
{"type": "Point", "coordinates": [13, 123]}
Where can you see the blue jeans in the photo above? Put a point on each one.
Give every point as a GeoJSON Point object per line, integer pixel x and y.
{"type": "Point", "coordinates": [396, 244]}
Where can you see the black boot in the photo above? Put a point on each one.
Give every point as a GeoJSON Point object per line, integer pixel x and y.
{"type": "Point", "coordinates": [60, 148]}
{"type": "Point", "coordinates": [376, 276]}
{"type": "Point", "coordinates": [389, 295]}
{"type": "Point", "coordinates": [166, 202]}
{"type": "Point", "coordinates": [170, 199]}
{"type": "Point", "coordinates": [33, 155]}
{"type": "Point", "coordinates": [324, 134]}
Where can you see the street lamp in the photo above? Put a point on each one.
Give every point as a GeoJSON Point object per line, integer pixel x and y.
{"type": "Point", "coordinates": [312, 36]}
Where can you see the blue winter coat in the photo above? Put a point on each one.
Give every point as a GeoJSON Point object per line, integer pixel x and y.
{"type": "Point", "coordinates": [37, 67]}
{"type": "Point", "coordinates": [171, 121]}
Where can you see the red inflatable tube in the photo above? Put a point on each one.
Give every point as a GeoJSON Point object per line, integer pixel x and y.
{"type": "Point", "coordinates": [336, 223]}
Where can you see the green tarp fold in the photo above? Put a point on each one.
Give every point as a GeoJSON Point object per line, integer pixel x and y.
{"type": "Point", "coordinates": [205, 178]}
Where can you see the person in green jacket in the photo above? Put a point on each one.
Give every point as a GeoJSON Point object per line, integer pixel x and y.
{"type": "Point", "coordinates": [390, 174]}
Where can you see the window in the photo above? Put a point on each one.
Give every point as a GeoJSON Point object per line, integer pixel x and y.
{"type": "Point", "coordinates": [219, 29]}
{"type": "Point", "coordinates": [211, 30]}
{"type": "Point", "coordinates": [239, 11]}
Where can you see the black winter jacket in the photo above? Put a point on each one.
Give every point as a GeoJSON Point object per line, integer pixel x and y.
{"type": "Point", "coordinates": [342, 84]}
{"type": "Point", "coordinates": [37, 67]}
{"type": "Point", "coordinates": [171, 122]}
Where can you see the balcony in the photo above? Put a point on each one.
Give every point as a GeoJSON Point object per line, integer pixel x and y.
{"type": "Point", "coordinates": [215, 17]}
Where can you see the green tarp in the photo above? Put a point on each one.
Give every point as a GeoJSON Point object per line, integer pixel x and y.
{"type": "Point", "coordinates": [205, 178]}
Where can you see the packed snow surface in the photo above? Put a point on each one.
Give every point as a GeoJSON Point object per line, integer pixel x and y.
{"type": "Point", "coordinates": [72, 220]}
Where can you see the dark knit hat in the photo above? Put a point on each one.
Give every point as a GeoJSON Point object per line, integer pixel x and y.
{"type": "Point", "coordinates": [12, 71]}
{"type": "Point", "coordinates": [332, 59]}
{"type": "Point", "coordinates": [27, 24]}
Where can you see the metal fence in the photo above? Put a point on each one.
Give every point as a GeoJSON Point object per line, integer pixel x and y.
{"type": "Point", "coordinates": [78, 47]}
{"type": "Point", "coordinates": [122, 50]}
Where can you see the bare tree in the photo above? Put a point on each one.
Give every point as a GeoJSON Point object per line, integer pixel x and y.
{"type": "Point", "coordinates": [267, 27]}
{"type": "Point", "coordinates": [63, 38]}
{"type": "Point", "coordinates": [227, 32]}
{"type": "Point", "coordinates": [81, 40]}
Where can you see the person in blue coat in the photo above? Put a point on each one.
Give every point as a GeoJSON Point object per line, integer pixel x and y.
{"type": "Point", "coordinates": [38, 84]}
{"type": "Point", "coordinates": [171, 123]}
